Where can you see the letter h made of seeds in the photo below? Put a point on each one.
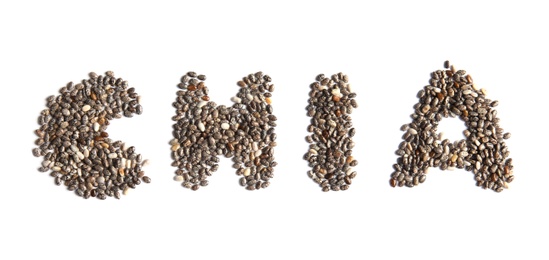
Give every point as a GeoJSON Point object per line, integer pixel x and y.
{"type": "Point", "coordinates": [203, 131]}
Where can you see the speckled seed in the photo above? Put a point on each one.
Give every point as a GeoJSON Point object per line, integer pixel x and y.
{"type": "Point", "coordinates": [139, 109]}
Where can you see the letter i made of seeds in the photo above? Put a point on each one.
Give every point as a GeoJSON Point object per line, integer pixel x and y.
{"type": "Point", "coordinates": [73, 140]}
{"type": "Point", "coordinates": [331, 103]}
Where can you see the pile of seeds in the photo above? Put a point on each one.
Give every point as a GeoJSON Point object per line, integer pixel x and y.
{"type": "Point", "coordinates": [75, 144]}
{"type": "Point", "coordinates": [452, 93]}
{"type": "Point", "coordinates": [331, 102]}
{"type": "Point", "coordinates": [244, 131]}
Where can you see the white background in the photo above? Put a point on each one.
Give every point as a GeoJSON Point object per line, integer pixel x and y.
{"type": "Point", "coordinates": [388, 50]}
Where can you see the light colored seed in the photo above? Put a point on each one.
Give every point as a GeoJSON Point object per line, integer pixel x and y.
{"type": "Point", "coordinates": [123, 162]}
{"type": "Point", "coordinates": [247, 172]}
{"type": "Point", "coordinates": [95, 126]}
{"type": "Point", "coordinates": [80, 155]}
{"type": "Point", "coordinates": [145, 162]}
{"type": "Point", "coordinates": [225, 126]}
{"type": "Point", "coordinates": [201, 126]}
{"type": "Point", "coordinates": [56, 168]}
{"type": "Point", "coordinates": [313, 151]}
{"type": "Point", "coordinates": [412, 131]}
{"type": "Point", "coordinates": [425, 109]}
{"type": "Point", "coordinates": [46, 163]}
{"type": "Point", "coordinates": [113, 155]}
{"type": "Point", "coordinates": [126, 191]}
{"type": "Point", "coordinates": [176, 147]}
{"type": "Point", "coordinates": [178, 178]}
{"type": "Point", "coordinates": [236, 99]}
{"type": "Point", "coordinates": [202, 103]}
{"type": "Point", "coordinates": [86, 108]}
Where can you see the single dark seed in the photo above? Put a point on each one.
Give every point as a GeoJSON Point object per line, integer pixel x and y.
{"type": "Point", "coordinates": [146, 179]}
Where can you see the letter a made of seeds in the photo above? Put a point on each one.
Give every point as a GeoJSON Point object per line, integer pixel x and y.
{"type": "Point", "coordinates": [452, 93]}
